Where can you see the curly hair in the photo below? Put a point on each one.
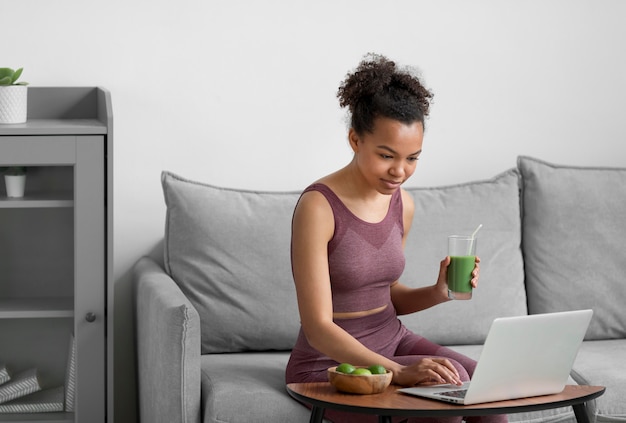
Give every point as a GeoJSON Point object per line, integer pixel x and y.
{"type": "Point", "coordinates": [377, 88]}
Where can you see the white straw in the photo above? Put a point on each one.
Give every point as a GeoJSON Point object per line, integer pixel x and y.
{"type": "Point", "coordinates": [473, 236]}
{"type": "Point", "coordinates": [476, 231]}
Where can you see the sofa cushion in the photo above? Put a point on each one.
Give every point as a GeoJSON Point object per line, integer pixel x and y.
{"type": "Point", "coordinates": [457, 210]}
{"type": "Point", "coordinates": [573, 242]}
{"type": "Point", "coordinates": [256, 380]}
{"type": "Point", "coordinates": [602, 363]}
{"type": "Point", "coordinates": [228, 250]}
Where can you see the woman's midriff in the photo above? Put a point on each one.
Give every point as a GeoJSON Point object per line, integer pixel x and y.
{"type": "Point", "coordinates": [357, 314]}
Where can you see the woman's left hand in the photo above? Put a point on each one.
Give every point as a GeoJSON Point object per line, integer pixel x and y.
{"type": "Point", "coordinates": [476, 273]}
{"type": "Point", "coordinates": [442, 281]}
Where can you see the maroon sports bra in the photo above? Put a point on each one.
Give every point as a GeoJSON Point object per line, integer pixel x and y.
{"type": "Point", "coordinates": [364, 258]}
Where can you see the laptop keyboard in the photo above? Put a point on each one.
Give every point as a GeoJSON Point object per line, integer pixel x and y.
{"type": "Point", "coordinates": [456, 394]}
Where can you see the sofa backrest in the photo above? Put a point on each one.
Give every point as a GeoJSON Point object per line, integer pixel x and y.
{"type": "Point", "coordinates": [457, 210]}
{"type": "Point", "coordinates": [574, 242]}
{"type": "Point", "coordinates": [229, 251]}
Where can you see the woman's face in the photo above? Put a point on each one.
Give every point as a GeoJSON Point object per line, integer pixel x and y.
{"type": "Point", "coordinates": [387, 156]}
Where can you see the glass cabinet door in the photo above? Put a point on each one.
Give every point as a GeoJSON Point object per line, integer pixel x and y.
{"type": "Point", "coordinates": [53, 270]}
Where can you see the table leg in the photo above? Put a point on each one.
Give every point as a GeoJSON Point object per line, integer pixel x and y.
{"type": "Point", "coordinates": [384, 419]}
{"type": "Point", "coordinates": [580, 411]}
{"type": "Point", "coordinates": [317, 414]}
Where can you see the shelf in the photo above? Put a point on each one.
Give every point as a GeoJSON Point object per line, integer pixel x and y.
{"type": "Point", "coordinates": [64, 111]}
{"type": "Point", "coordinates": [20, 308]}
{"type": "Point", "coordinates": [60, 417]}
{"type": "Point", "coordinates": [55, 127]}
{"type": "Point", "coordinates": [38, 200]}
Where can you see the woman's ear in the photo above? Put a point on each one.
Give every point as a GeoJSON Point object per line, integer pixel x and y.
{"type": "Point", "coordinates": [354, 139]}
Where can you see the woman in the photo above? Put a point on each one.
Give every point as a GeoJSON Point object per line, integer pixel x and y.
{"type": "Point", "coordinates": [348, 234]}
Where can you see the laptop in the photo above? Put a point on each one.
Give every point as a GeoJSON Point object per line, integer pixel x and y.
{"type": "Point", "coordinates": [522, 357]}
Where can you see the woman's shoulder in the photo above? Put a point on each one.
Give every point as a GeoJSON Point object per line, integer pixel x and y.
{"type": "Point", "coordinates": [319, 199]}
{"type": "Point", "coordinates": [313, 216]}
{"type": "Point", "coordinates": [325, 187]}
{"type": "Point", "coordinates": [408, 209]}
{"type": "Point", "coordinates": [407, 200]}
{"type": "Point", "coordinates": [314, 199]}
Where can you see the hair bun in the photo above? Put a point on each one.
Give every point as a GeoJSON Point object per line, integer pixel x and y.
{"type": "Point", "coordinates": [378, 88]}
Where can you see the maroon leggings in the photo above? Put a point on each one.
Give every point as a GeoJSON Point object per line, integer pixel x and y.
{"type": "Point", "coordinates": [385, 334]}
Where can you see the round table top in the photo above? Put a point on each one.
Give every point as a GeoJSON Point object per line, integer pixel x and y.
{"type": "Point", "coordinates": [393, 403]}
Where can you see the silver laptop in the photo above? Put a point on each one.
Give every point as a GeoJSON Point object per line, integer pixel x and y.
{"type": "Point", "coordinates": [522, 357]}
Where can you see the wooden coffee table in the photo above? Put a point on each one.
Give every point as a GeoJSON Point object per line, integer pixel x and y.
{"type": "Point", "coordinates": [321, 396]}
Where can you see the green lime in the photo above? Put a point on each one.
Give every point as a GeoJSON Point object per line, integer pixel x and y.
{"type": "Point", "coordinates": [345, 368]}
{"type": "Point", "coordinates": [377, 369]}
{"type": "Point", "coordinates": [361, 371]}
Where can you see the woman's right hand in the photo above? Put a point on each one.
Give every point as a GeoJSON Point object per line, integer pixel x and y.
{"type": "Point", "coordinates": [427, 371]}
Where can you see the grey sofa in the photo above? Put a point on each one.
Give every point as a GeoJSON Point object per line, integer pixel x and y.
{"type": "Point", "coordinates": [215, 319]}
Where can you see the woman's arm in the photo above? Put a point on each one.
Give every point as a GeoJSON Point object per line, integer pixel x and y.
{"type": "Point", "coordinates": [312, 229]}
{"type": "Point", "coordinates": [410, 300]}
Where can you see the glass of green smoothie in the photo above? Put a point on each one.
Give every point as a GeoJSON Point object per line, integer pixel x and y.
{"type": "Point", "coordinates": [462, 252]}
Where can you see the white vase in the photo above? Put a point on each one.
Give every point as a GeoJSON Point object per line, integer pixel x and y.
{"type": "Point", "coordinates": [15, 185]}
{"type": "Point", "coordinates": [13, 103]}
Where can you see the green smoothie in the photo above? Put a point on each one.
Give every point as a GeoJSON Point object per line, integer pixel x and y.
{"type": "Point", "coordinates": [460, 273]}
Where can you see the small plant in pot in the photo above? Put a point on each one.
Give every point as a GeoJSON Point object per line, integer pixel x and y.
{"type": "Point", "coordinates": [13, 96]}
{"type": "Point", "coordinates": [14, 180]}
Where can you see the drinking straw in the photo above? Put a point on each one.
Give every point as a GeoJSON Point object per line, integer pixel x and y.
{"type": "Point", "coordinates": [476, 231]}
{"type": "Point", "coordinates": [473, 236]}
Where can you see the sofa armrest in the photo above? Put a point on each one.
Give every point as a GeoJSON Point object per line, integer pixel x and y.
{"type": "Point", "coordinates": [168, 347]}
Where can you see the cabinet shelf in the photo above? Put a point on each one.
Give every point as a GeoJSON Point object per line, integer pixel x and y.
{"type": "Point", "coordinates": [20, 308]}
{"type": "Point", "coordinates": [55, 127]}
{"type": "Point", "coordinates": [39, 200]}
{"type": "Point", "coordinates": [61, 417]}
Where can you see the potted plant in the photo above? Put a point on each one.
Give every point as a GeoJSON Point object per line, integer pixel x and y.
{"type": "Point", "coordinates": [13, 96]}
{"type": "Point", "coordinates": [15, 180]}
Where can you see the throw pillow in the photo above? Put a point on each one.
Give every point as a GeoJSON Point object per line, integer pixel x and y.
{"type": "Point", "coordinates": [229, 251]}
{"type": "Point", "coordinates": [457, 210]}
{"type": "Point", "coordinates": [574, 232]}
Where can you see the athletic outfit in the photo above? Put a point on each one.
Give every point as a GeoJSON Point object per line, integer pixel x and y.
{"type": "Point", "coordinates": [364, 259]}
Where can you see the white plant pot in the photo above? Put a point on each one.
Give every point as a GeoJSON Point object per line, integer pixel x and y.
{"type": "Point", "coordinates": [13, 103]}
{"type": "Point", "coordinates": [15, 185]}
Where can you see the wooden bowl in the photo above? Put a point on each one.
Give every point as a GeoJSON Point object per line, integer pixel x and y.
{"type": "Point", "coordinates": [359, 384]}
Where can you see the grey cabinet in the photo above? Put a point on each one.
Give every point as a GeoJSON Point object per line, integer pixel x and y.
{"type": "Point", "coordinates": [55, 249]}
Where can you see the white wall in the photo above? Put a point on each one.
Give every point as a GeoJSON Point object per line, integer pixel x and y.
{"type": "Point", "coordinates": [242, 93]}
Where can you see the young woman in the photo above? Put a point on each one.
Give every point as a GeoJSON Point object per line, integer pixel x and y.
{"type": "Point", "coordinates": [348, 234]}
